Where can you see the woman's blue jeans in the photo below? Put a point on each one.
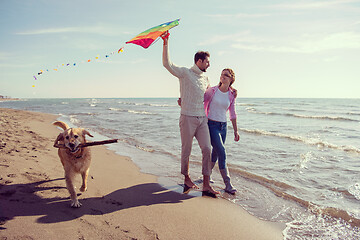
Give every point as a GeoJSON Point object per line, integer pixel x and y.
{"type": "Point", "coordinates": [218, 136]}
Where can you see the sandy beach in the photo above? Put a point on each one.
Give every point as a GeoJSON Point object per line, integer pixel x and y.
{"type": "Point", "coordinates": [120, 203]}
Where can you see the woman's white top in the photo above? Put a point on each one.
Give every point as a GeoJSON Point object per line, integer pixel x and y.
{"type": "Point", "coordinates": [219, 106]}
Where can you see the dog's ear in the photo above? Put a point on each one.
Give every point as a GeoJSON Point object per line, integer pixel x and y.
{"type": "Point", "coordinates": [85, 132]}
{"type": "Point", "coordinates": [60, 137]}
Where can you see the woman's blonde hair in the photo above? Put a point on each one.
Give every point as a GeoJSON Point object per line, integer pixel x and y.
{"type": "Point", "coordinates": [232, 76]}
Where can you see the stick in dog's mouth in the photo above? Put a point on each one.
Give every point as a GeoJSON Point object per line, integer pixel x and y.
{"type": "Point", "coordinates": [87, 144]}
{"type": "Point", "coordinates": [74, 150]}
{"type": "Point", "coordinates": [73, 147]}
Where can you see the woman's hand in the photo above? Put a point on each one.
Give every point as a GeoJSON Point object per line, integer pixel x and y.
{"type": "Point", "coordinates": [237, 136]}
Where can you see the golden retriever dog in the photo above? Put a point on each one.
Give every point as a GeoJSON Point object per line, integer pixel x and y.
{"type": "Point", "coordinates": [74, 158]}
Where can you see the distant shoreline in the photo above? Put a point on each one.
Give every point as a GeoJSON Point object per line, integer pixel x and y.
{"type": "Point", "coordinates": [9, 99]}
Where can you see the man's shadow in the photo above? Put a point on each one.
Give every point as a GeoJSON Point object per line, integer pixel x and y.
{"type": "Point", "coordinates": [22, 200]}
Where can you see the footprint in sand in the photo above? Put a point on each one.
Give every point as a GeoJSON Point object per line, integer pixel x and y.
{"type": "Point", "coordinates": [114, 202]}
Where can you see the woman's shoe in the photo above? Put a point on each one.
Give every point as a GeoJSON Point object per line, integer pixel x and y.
{"type": "Point", "coordinates": [228, 186]}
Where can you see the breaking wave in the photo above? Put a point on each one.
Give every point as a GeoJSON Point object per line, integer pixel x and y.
{"type": "Point", "coordinates": [132, 111]}
{"type": "Point", "coordinates": [309, 141]}
{"type": "Point", "coordinates": [147, 104]}
{"type": "Point", "coordinates": [280, 188]}
{"type": "Point", "coordinates": [253, 110]}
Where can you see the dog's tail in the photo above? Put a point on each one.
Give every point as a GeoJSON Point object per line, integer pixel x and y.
{"type": "Point", "coordinates": [61, 124]}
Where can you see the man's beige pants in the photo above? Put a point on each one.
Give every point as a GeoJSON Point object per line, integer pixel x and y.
{"type": "Point", "coordinates": [197, 127]}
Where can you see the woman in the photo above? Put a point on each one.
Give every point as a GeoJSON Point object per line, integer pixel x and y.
{"type": "Point", "coordinates": [217, 101]}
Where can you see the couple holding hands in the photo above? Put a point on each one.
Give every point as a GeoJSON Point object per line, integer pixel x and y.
{"type": "Point", "coordinates": [203, 116]}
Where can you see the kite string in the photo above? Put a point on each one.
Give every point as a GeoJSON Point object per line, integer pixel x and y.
{"type": "Point", "coordinates": [74, 64]}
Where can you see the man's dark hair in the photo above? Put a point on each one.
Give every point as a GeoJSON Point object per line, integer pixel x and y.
{"type": "Point", "coordinates": [201, 55]}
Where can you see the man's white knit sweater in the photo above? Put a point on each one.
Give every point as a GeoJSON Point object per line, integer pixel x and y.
{"type": "Point", "coordinates": [193, 84]}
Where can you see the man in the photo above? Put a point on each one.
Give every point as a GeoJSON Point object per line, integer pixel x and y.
{"type": "Point", "coordinates": [193, 121]}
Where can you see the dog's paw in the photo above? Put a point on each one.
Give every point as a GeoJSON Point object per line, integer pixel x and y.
{"type": "Point", "coordinates": [75, 203]}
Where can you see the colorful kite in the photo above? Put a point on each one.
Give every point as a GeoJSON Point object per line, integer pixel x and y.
{"type": "Point", "coordinates": [146, 38]}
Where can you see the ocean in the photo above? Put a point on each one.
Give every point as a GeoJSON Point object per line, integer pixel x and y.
{"type": "Point", "coordinates": [297, 161]}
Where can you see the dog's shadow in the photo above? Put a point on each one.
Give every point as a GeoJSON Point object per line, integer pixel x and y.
{"type": "Point", "coordinates": [22, 200]}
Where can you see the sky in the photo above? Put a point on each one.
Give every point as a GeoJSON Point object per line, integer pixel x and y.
{"type": "Point", "coordinates": [278, 48]}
